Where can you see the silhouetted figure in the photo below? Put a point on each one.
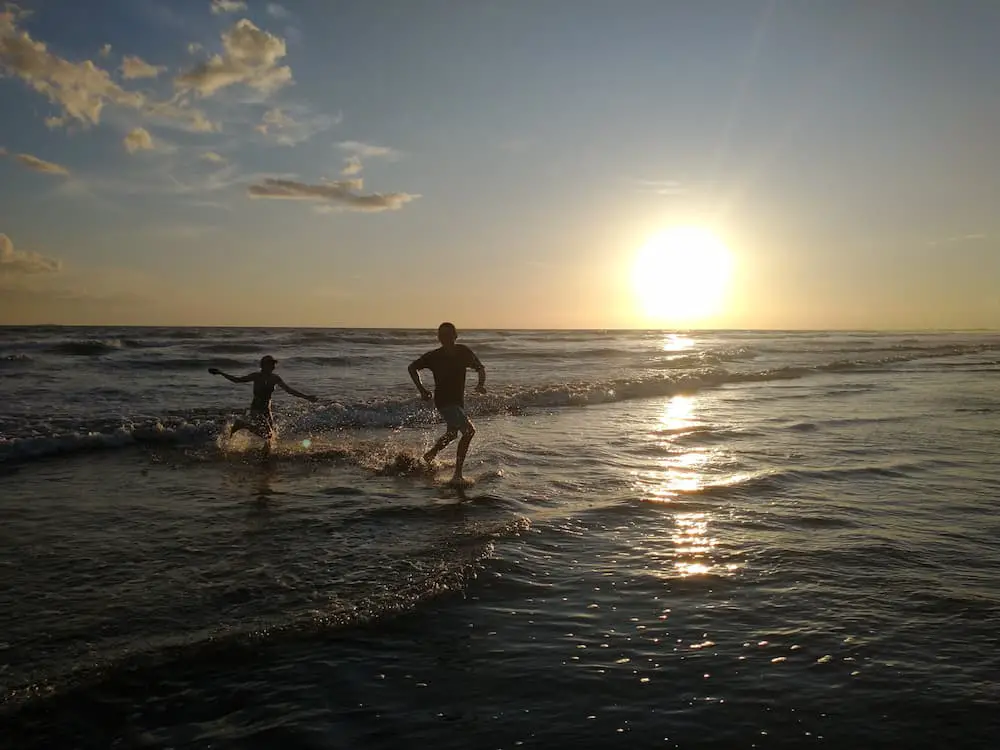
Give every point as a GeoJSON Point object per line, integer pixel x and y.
{"type": "Point", "coordinates": [449, 363]}
{"type": "Point", "coordinates": [259, 419]}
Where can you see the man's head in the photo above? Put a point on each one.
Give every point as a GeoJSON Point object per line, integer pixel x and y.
{"type": "Point", "coordinates": [447, 334]}
{"type": "Point", "coordinates": [267, 363]}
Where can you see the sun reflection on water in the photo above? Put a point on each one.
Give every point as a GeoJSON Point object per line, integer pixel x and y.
{"type": "Point", "coordinates": [679, 472]}
{"type": "Point", "coordinates": [676, 343]}
{"type": "Point", "coordinates": [689, 548]}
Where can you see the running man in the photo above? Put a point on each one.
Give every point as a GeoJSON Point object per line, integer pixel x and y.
{"type": "Point", "coordinates": [449, 363]}
{"type": "Point", "coordinates": [259, 419]}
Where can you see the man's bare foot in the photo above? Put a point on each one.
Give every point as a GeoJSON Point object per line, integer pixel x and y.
{"type": "Point", "coordinates": [459, 481]}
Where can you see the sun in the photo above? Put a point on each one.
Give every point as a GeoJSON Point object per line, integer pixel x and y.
{"type": "Point", "coordinates": [681, 276]}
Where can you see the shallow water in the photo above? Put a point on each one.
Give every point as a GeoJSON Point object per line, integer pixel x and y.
{"type": "Point", "coordinates": [731, 540]}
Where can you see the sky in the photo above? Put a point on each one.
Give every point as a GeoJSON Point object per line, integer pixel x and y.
{"type": "Point", "coordinates": [498, 163]}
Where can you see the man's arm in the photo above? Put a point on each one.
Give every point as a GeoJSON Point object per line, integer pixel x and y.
{"type": "Point", "coordinates": [414, 370]}
{"type": "Point", "coordinates": [232, 378]}
{"type": "Point", "coordinates": [475, 364]}
{"type": "Point", "coordinates": [288, 389]}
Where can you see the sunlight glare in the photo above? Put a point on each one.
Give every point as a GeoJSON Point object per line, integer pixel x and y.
{"type": "Point", "coordinates": [676, 343]}
{"type": "Point", "coordinates": [681, 276]}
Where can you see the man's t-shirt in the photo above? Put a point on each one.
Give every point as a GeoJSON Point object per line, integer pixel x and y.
{"type": "Point", "coordinates": [449, 373]}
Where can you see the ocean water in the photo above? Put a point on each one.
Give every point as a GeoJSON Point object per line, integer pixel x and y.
{"type": "Point", "coordinates": [730, 539]}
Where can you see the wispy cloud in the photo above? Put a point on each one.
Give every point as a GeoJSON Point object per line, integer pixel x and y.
{"type": "Point", "coordinates": [958, 239]}
{"type": "Point", "coordinates": [352, 166]}
{"type": "Point", "coordinates": [19, 262]}
{"type": "Point", "coordinates": [138, 139]}
{"type": "Point", "coordinates": [227, 6]}
{"type": "Point", "coordinates": [250, 57]}
{"type": "Point", "coordinates": [366, 149]}
{"type": "Point", "coordinates": [663, 187]}
{"type": "Point", "coordinates": [274, 119]}
{"type": "Point", "coordinates": [35, 164]}
{"type": "Point", "coordinates": [136, 67]}
{"type": "Point", "coordinates": [291, 129]}
{"type": "Point", "coordinates": [105, 51]}
{"type": "Point", "coordinates": [344, 194]}
{"type": "Point", "coordinates": [277, 11]}
{"type": "Point", "coordinates": [80, 90]}
{"type": "Point", "coordinates": [213, 157]}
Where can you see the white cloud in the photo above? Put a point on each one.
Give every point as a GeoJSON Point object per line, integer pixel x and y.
{"type": "Point", "coordinates": [138, 139]}
{"type": "Point", "coordinates": [136, 67]}
{"type": "Point", "coordinates": [227, 6]}
{"type": "Point", "coordinates": [366, 149]}
{"type": "Point", "coordinates": [80, 90]}
{"type": "Point", "coordinates": [275, 119]}
{"type": "Point", "coordinates": [342, 193]}
{"type": "Point", "coordinates": [277, 11]}
{"type": "Point", "coordinates": [288, 130]}
{"type": "Point", "coordinates": [213, 157]}
{"type": "Point", "coordinates": [250, 56]}
{"type": "Point", "coordinates": [663, 187]}
{"type": "Point", "coordinates": [39, 165]}
{"type": "Point", "coordinates": [958, 239]}
{"type": "Point", "coordinates": [186, 117]}
{"type": "Point", "coordinates": [352, 166]}
{"type": "Point", "coordinates": [19, 262]}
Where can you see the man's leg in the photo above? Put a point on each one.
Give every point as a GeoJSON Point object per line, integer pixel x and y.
{"type": "Point", "coordinates": [468, 432]}
{"type": "Point", "coordinates": [440, 444]}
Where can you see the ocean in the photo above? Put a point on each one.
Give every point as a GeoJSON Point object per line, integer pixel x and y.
{"type": "Point", "coordinates": [675, 539]}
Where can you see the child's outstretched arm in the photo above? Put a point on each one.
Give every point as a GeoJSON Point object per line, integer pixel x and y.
{"type": "Point", "coordinates": [288, 389]}
{"type": "Point", "coordinates": [232, 378]}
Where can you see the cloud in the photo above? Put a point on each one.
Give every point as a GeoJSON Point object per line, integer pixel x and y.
{"type": "Point", "coordinates": [289, 131]}
{"type": "Point", "coordinates": [366, 149]}
{"type": "Point", "coordinates": [19, 262]}
{"type": "Point", "coordinates": [138, 139]}
{"type": "Point", "coordinates": [194, 48]}
{"type": "Point", "coordinates": [227, 6]}
{"type": "Point", "coordinates": [342, 193]}
{"type": "Point", "coordinates": [275, 119]}
{"type": "Point", "coordinates": [136, 67]}
{"type": "Point", "coordinates": [277, 11]}
{"type": "Point", "coordinates": [352, 166]}
{"type": "Point", "coordinates": [186, 117]}
{"type": "Point", "coordinates": [250, 56]}
{"type": "Point", "coordinates": [213, 157]}
{"type": "Point", "coordinates": [39, 165]}
{"type": "Point", "coordinates": [959, 238]}
{"type": "Point", "coordinates": [80, 90]}
{"type": "Point", "coordinates": [105, 51]}
{"type": "Point", "coordinates": [663, 187]}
